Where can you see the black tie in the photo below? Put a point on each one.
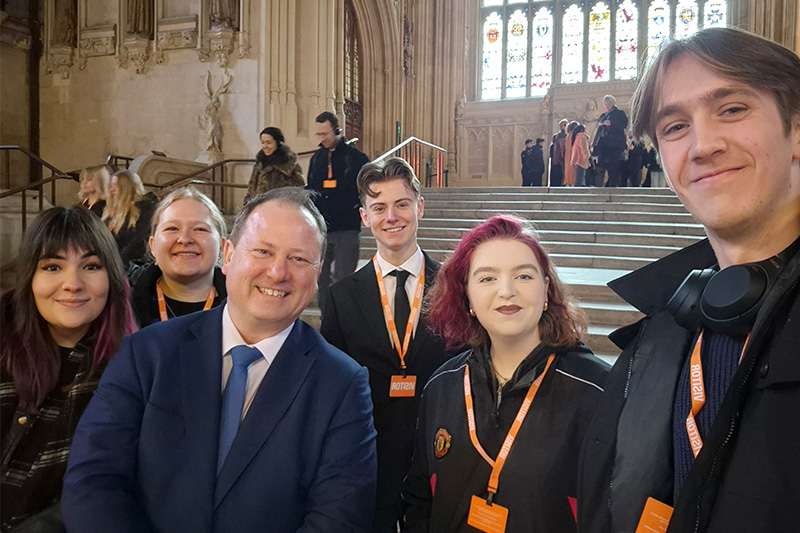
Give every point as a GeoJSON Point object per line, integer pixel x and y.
{"type": "Point", "coordinates": [401, 306]}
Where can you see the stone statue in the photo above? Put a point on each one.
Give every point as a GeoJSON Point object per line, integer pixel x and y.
{"type": "Point", "coordinates": [209, 122]}
{"type": "Point", "coordinates": [65, 15]}
{"type": "Point", "coordinates": [140, 17]}
{"type": "Point", "coordinates": [224, 14]}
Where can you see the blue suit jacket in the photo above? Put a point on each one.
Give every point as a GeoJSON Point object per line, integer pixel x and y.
{"type": "Point", "coordinates": [144, 457]}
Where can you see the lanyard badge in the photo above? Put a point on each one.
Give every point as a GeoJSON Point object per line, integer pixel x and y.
{"type": "Point", "coordinates": [483, 513]}
{"type": "Point", "coordinates": [403, 385]}
{"type": "Point", "coordinates": [162, 303]}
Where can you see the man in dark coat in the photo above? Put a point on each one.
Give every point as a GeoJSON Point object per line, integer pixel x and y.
{"type": "Point", "coordinates": [609, 141]}
{"type": "Point", "coordinates": [354, 320]}
{"type": "Point", "coordinates": [557, 154]}
{"type": "Point", "coordinates": [332, 173]}
{"type": "Point", "coordinates": [532, 163]}
{"type": "Point", "coordinates": [698, 424]}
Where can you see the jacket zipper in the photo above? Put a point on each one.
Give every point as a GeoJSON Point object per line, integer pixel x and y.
{"type": "Point", "coordinates": [728, 436]}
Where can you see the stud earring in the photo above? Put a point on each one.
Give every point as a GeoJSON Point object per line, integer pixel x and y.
{"type": "Point", "coordinates": [471, 312]}
{"type": "Point", "coordinates": [545, 306]}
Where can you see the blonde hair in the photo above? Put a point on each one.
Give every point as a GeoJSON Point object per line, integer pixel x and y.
{"type": "Point", "coordinates": [100, 176]}
{"type": "Point", "coordinates": [122, 211]}
{"type": "Point", "coordinates": [192, 194]}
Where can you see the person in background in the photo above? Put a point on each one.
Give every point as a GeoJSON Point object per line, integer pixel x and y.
{"type": "Point", "coordinates": [636, 161]}
{"type": "Point", "coordinates": [580, 154]}
{"type": "Point", "coordinates": [332, 174]}
{"type": "Point", "coordinates": [655, 173]}
{"type": "Point", "coordinates": [499, 293]}
{"type": "Point", "coordinates": [569, 170]}
{"type": "Point", "coordinates": [61, 324]}
{"type": "Point", "coordinates": [557, 151]}
{"type": "Point", "coordinates": [609, 140]}
{"type": "Point", "coordinates": [527, 167]}
{"type": "Point", "coordinates": [276, 165]}
{"type": "Point", "coordinates": [128, 215]}
{"type": "Point", "coordinates": [187, 236]}
{"type": "Point", "coordinates": [93, 193]}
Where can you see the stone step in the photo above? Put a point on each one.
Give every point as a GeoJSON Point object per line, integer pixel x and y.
{"type": "Point", "coordinates": [563, 247]}
{"type": "Point", "coordinates": [621, 191]}
{"type": "Point", "coordinates": [611, 314]}
{"type": "Point", "coordinates": [430, 233]}
{"type": "Point", "coordinates": [517, 205]}
{"type": "Point", "coordinates": [649, 228]}
{"type": "Point", "coordinates": [560, 259]}
{"type": "Point", "coordinates": [538, 214]}
{"type": "Point", "coordinates": [551, 197]}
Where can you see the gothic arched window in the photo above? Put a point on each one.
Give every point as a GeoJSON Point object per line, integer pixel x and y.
{"type": "Point", "coordinates": [527, 45]}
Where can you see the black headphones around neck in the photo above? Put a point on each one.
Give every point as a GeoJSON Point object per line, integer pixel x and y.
{"type": "Point", "coordinates": [727, 301]}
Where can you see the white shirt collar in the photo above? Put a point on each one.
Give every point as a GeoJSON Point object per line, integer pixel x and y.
{"type": "Point", "coordinates": [231, 337]}
{"type": "Point", "coordinates": [412, 265]}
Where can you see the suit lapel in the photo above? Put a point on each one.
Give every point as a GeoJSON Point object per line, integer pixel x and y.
{"type": "Point", "coordinates": [279, 389]}
{"type": "Point", "coordinates": [201, 382]}
{"type": "Point", "coordinates": [368, 299]}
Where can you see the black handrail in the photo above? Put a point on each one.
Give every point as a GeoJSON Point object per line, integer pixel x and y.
{"type": "Point", "coordinates": [33, 156]}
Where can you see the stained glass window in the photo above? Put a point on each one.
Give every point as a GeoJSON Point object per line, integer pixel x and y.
{"type": "Point", "coordinates": [517, 54]}
{"type": "Point", "coordinates": [599, 43]}
{"type": "Point", "coordinates": [626, 43]}
{"type": "Point", "coordinates": [657, 27]}
{"type": "Point", "coordinates": [685, 19]}
{"type": "Point", "coordinates": [716, 13]}
{"type": "Point", "coordinates": [541, 52]}
{"type": "Point", "coordinates": [572, 45]}
{"type": "Point", "coordinates": [492, 71]}
{"type": "Point", "coordinates": [597, 40]}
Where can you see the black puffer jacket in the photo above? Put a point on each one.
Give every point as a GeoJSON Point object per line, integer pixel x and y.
{"type": "Point", "coordinates": [144, 300]}
{"type": "Point", "coordinates": [747, 475]}
{"type": "Point", "coordinates": [280, 169]}
{"type": "Point", "coordinates": [539, 476]}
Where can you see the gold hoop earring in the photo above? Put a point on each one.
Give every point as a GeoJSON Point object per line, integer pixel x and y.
{"type": "Point", "coordinates": [471, 312]}
{"type": "Point", "coordinates": [545, 306]}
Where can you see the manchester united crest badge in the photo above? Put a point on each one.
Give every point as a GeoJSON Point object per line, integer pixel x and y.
{"type": "Point", "coordinates": [441, 443]}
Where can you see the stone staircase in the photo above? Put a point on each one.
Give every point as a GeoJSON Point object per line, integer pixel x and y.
{"type": "Point", "coordinates": [593, 236]}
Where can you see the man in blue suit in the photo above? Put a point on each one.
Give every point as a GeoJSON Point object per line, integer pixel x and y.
{"type": "Point", "coordinates": [241, 418]}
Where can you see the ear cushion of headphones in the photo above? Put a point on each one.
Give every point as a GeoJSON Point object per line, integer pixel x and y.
{"type": "Point", "coordinates": [685, 303]}
{"type": "Point", "coordinates": [733, 297]}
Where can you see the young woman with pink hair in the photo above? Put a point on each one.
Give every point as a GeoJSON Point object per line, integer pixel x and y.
{"type": "Point", "coordinates": [500, 426]}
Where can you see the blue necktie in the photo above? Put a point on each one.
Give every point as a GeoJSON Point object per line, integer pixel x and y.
{"type": "Point", "coordinates": [233, 401]}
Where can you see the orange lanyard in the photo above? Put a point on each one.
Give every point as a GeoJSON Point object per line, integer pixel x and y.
{"type": "Point", "coordinates": [697, 388]}
{"type": "Point", "coordinates": [497, 465]}
{"type": "Point", "coordinates": [402, 350]}
{"type": "Point", "coordinates": [162, 303]}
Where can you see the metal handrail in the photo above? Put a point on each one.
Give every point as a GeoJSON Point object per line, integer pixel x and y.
{"type": "Point", "coordinates": [411, 151]}
{"type": "Point", "coordinates": [408, 141]}
{"type": "Point", "coordinates": [33, 156]}
{"type": "Point", "coordinates": [35, 184]}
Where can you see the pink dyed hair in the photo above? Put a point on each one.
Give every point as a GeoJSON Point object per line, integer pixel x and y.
{"type": "Point", "coordinates": [563, 324]}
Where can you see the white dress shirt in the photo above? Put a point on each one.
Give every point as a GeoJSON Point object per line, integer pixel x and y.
{"type": "Point", "coordinates": [268, 347]}
{"type": "Point", "coordinates": [412, 265]}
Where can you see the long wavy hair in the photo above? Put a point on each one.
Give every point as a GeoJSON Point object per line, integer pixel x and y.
{"type": "Point", "coordinates": [101, 178]}
{"type": "Point", "coordinates": [28, 353]}
{"type": "Point", "coordinates": [122, 211]}
{"type": "Point", "coordinates": [563, 324]}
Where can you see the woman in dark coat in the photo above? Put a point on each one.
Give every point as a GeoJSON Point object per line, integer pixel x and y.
{"type": "Point", "coordinates": [128, 215]}
{"type": "Point", "coordinates": [61, 324]}
{"type": "Point", "coordinates": [499, 293]}
{"type": "Point", "coordinates": [276, 165]}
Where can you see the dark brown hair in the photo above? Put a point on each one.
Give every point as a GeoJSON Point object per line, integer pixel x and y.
{"type": "Point", "coordinates": [394, 168]}
{"type": "Point", "coordinates": [729, 52]}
